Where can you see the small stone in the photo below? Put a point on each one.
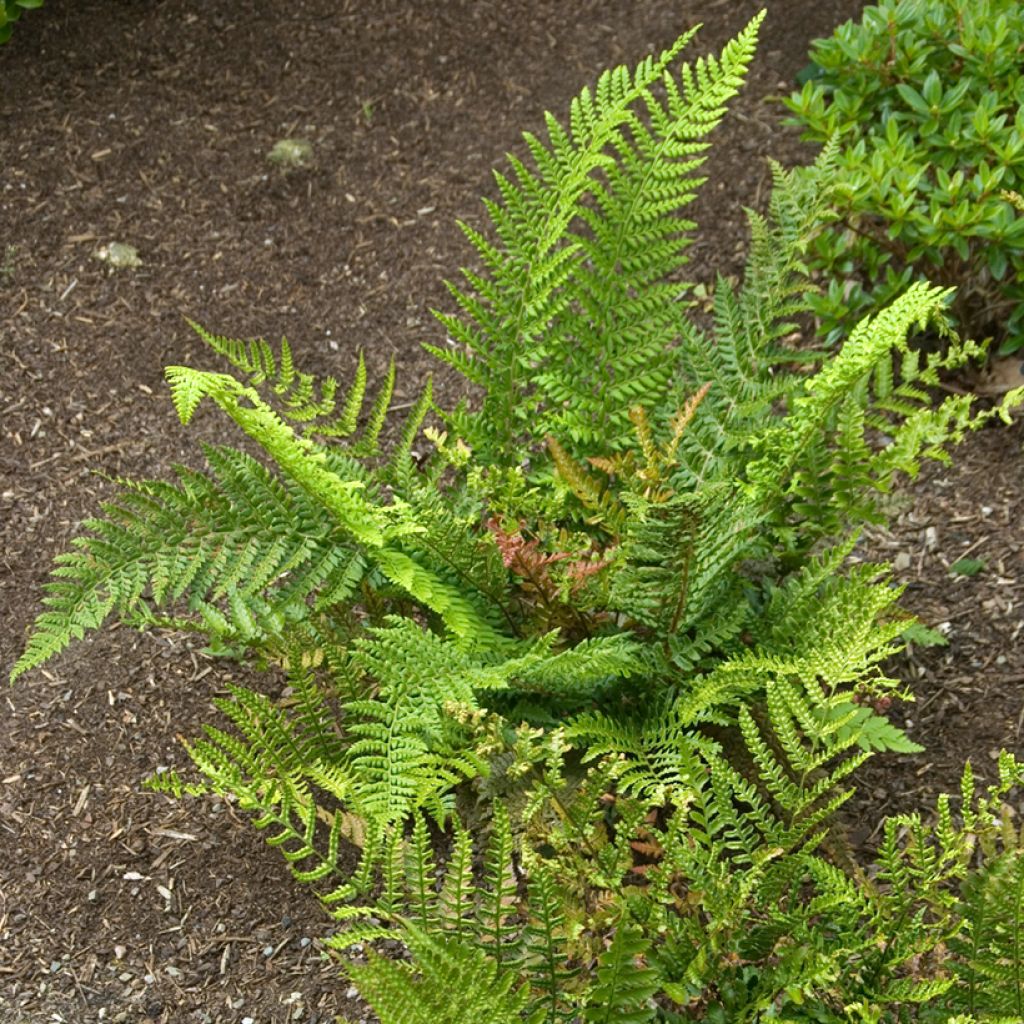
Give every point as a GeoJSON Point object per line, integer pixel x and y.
{"type": "Point", "coordinates": [125, 976]}
{"type": "Point", "coordinates": [291, 153]}
{"type": "Point", "coordinates": [119, 952]}
{"type": "Point", "coordinates": [352, 992]}
{"type": "Point", "coordinates": [119, 255]}
{"type": "Point", "coordinates": [268, 951]}
{"type": "Point", "coordinates": [901, 561]}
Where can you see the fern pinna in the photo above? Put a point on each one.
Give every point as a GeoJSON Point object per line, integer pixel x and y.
{"type": "Point", "coordinates": [586, 687]}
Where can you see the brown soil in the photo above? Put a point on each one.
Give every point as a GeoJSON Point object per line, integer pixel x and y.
{"type": "Point", "coordinates": [149, 123]}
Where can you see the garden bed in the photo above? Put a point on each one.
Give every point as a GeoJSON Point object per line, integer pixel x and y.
{"type": "Point", "coordinates": [149, 124]}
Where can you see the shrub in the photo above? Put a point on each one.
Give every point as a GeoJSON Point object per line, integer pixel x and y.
{"type": "Point", "coordinates": [10, 12]}
{"type": "Point", "coordinates": [587, 693]}
{"type": "Point", "coordinates": [925, 98]}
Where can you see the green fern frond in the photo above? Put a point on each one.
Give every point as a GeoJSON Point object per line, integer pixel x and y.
{"type": "Point", "coordinates": [241, 549]}
{"type": "Point", "coordinates": [297, 457]}
{"type": "Point", "coordinates": [676, 581]}
{"type": "Point", "coordinates": [496, 929]}
{"type": "Point", "coordinates": [457, 895]}
{"type": "Point", "coordinates": [625, 985]}
{"type": "Point", "coordinates": [582, 669]}
{"type": "Point", "coordinates": [300, 398]}
{"type": "Point", "coordinates": [575, 308]}
{"type": "Point", "coordinates": [743, 357]}
{"type": "Point", "coordinates": [448, 982]}
{"type": "Point", "coordinates": [544, 945]}
{"type": "Point", "coordinates": [457, 611]}
{"type": "Point", "coordinates": [993, 908]}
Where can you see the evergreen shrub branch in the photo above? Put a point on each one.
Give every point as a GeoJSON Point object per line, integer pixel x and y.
{"type": "Point", "coordinates": [586, 687]}
{"type": "Point", "coordinates": [924, 99]}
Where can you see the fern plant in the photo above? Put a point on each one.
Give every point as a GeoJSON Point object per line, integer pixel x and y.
{"type": "Point", "coordinates": [637, 670]}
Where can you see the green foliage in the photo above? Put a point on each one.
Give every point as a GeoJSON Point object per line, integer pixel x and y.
{"type": "Point", "coordinates": [11, 11]}
{"type": "Point", "coordinates": [924, 97]}
{"type": "Point", "coordinates": [967, 566]}
{"type": "Point", "coordinates": [565, 327]}
{"type": "Point", "coordinates": [588, 723]}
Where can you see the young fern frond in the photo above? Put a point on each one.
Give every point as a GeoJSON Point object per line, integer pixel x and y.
{"type": "Point", "coordinates": [312, 405]}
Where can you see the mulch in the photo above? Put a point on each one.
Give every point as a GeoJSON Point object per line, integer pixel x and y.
{"type": "Point", "coordinates": [148, 122]}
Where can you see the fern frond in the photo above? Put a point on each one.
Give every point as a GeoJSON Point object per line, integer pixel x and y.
{"type": "Point", "coordinates": [625, 986]}
{"type": "Point", "coordinates": [574, 311]}
{"type": "Point", "coordinates": [495, 927]}
{"type": "Point", "coordinates": [544, 944]}
{"type": "Point", "coordinates": [448, 982]}
{"type": "Point", "coordinates": [993, 908]}
{"type": "Point", "coordinates": [299, 397]}
{"type": "Point", "coordinates": [676, 576]}
{"type": "Point", "coordinates": [297, 457]}
{"type": "Point", "coordinates": [457, 896]}
{"type": "Point", "coordinates": [242, 549]}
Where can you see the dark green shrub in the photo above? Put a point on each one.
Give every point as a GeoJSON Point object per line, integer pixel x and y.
{"type": "Point", "coordinates": [10, 12]}
{"type": "Point", "coordinates": [926, 100]}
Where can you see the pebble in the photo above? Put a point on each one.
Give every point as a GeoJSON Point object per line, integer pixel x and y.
{"type": "Point", "coordinates": [901, 561]}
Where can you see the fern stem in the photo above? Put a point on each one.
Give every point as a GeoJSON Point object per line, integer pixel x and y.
{"type": "Point", "coordinates": [1018, 926]}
